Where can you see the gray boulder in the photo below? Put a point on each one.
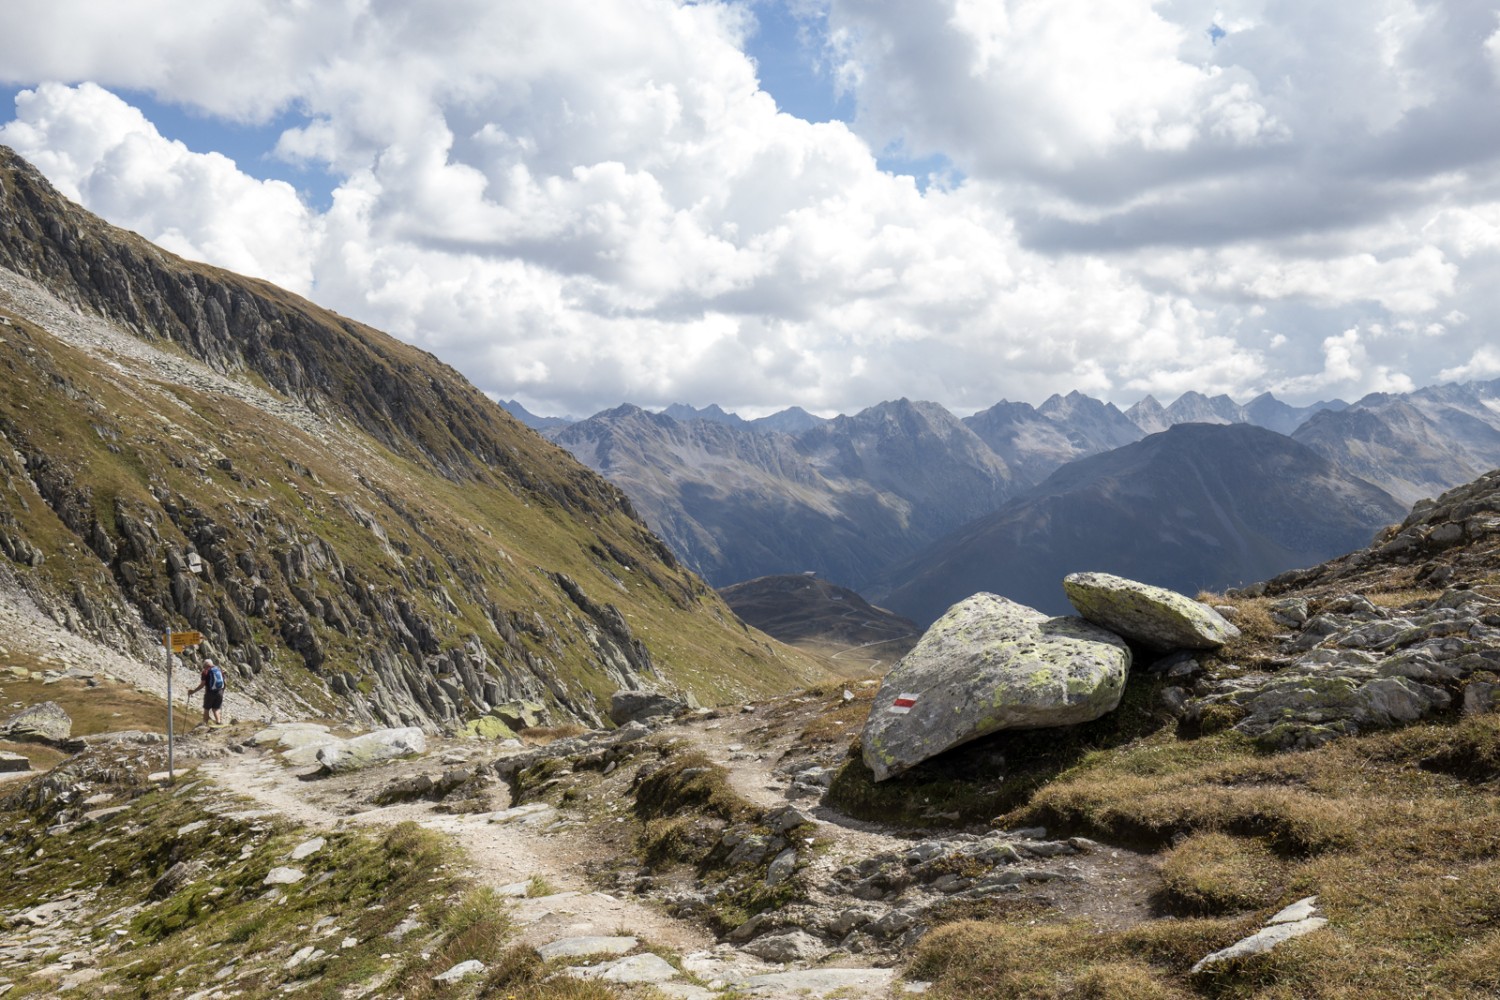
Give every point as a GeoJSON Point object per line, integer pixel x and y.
{"type": "Point", "coordinates": [44, 723]}
{"type": "Point", "coordinates": [13, 762]}
{"type": "Point", "coordinates": [990, 664]}
{"type": "Point", "coordinates": [520, 713]}
{"type": "Point", "coordinates": [371, 748]}
{"type": "Point", "coordinates": [1152, 616]}
{"type": "Point", "coordinates": [639, 706]}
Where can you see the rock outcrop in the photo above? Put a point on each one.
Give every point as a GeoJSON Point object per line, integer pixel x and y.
{"type": "Point", "coordinates": [1152, 616]}
{"type": "Point", "coordinates": [1350, 666]}
{"type": "Point", "coordinates": [991, 664]}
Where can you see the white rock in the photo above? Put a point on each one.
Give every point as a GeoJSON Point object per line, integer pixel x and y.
{"type": "Point", "coordinates": [308, 848]}
{"type": "Point", "coordinates": [645, 968]}
{"type": "Point", "coordinates": [472, 967]}
{"type": "Point", "coordinates": [1261, 941]}
{"type": "Point", "coordinates": [284, 876]}
{"type": "Point", "coordinates": [1300, 910]}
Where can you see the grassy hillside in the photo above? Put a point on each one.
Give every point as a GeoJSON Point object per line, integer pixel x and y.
{"type": "Point", "coordinates": [351, 524]}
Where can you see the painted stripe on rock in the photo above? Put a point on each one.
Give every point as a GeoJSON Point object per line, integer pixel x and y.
{"type": "Point", "coordinates": [903, 703]}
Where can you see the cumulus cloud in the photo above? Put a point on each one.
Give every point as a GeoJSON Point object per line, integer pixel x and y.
{"type": "Point", "coordinates": [102, 152]}
{"type": "Point", "coordinates": [1484, 364]}
{"type": "Point", "coordinates": [577, 203]}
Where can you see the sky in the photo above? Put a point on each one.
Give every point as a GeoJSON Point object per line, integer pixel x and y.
{"type": "Point", "coordinates": [822, 203]}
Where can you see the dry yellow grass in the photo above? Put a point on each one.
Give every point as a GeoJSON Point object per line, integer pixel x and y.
{"type": "Point", "coordinates": [1397, 833]}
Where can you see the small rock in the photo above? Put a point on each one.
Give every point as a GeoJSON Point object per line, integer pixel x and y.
{"type": "Point", "coordinates": [283, 876]}
{"type": "Point", "coordinates": [782, 866]}
{"type": "Point", "coordinates": [472, 967]}
{"type": "Point", "coordinates": [307, 848]}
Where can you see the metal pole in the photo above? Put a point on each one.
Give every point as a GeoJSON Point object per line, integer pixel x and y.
{"type": "Point", "coordinates": [171, 778]}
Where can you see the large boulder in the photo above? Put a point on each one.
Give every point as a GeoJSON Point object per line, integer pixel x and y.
{"type": "Point", "coordinates": [44, 723]}
{"type": "Point", "coordinates": [990, 664]}
{"type": "Point", "coordinates": [1152, 616]}
{"type": "Point", "coordinates": [639, 706]}
{"type": "Point", "coordinates": [371, 748]}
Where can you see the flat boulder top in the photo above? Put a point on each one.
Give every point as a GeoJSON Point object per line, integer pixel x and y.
{"type": "Point", "coordinates": [1153, 616]}
{"type": "Point", "coordinates": [991, 664]}
{"type": "Point", "coordinates": [42, 723]}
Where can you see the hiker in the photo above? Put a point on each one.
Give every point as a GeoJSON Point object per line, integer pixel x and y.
{"type": "Point", "coordinates": [211, 683]}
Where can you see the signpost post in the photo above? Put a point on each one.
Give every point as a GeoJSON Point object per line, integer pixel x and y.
{"type": "Point", "coordinates": [175, 642]}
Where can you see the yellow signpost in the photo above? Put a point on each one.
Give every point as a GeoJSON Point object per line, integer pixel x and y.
{"type": "Point", "coordinates": [183, 640]}
{"type": "Point", "coordinates": [175, 642]}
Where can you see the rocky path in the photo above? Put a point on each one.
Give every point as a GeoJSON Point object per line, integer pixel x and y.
{"type": "Point", "coordinates": [537, 856]}
{"type": "Point", "coordinates": [868, 893]}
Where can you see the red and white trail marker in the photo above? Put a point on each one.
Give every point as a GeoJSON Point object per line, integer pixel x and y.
{"type": "Point", "coordinates": [902, 704]}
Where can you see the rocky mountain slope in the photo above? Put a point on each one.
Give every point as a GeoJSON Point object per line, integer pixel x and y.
{"type": "Point", "coordinates": [844, 498]}
{"type": "Point", "coordinates": [1413, 445]}
{"type": "Point", "coordinates": [351, 525]}
{"type": "Point", "coordinates": [1035, 441]}
{"type": "Point", "coordinates": [1197, 506]}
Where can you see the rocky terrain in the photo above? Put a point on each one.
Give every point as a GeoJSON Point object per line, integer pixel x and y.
{"type": "Point", "coordinates": [1291, 795]}
{"type": "Point", "coordinates": [351, 526]}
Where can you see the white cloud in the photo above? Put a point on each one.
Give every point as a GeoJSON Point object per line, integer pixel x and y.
{"type": "Point", "coordinates": [579, 202]}
{"type": "Point", "coordinates": [1348, 369]}
{"type": "Point", "coordinates": [1484, 364]}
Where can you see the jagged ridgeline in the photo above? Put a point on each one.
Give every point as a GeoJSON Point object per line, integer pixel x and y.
{"type": "Point", "coordinates": [352, 526]}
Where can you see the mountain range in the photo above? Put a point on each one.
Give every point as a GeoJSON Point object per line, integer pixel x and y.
{"type": "Point", "coordinates": [871, 499]}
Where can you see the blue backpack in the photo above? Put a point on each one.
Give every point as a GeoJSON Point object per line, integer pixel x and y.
{"type": "Point", "coordinates": [215, 678]}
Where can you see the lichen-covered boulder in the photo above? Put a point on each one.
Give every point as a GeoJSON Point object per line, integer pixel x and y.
{"type": "Point", "coordinates": [44, 723]}
{"type": "Point", "coordinates": [1152, 616]}
{"type": "Point", "coordinates": [520, 713]}
{"type": "Point", "coordinates": [990, 664]}
{"type": "Point", "coordinates": [371, 748]}
{"type": "Point", "coordinates": [489, 727]}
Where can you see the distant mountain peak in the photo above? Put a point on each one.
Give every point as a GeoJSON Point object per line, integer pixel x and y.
{"type": "Point", "coordinates": [712, 413]}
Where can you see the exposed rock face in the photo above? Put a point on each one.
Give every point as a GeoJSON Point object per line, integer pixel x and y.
{"type": "Point", "coordinates": [44, 723]}
{"type": "Point", "coordinates": [1153, 616]}
{"type": "Point", "coordinates": [1353, 666]}
{"type": "Point", "coordinates": [843, 497]}
{"type": "Point", "coordinates": [991, 664]}
{"type": "Point", "coordinates": [1446, 542]}
{"type": "Point", "coordinates": [1413, 445]}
